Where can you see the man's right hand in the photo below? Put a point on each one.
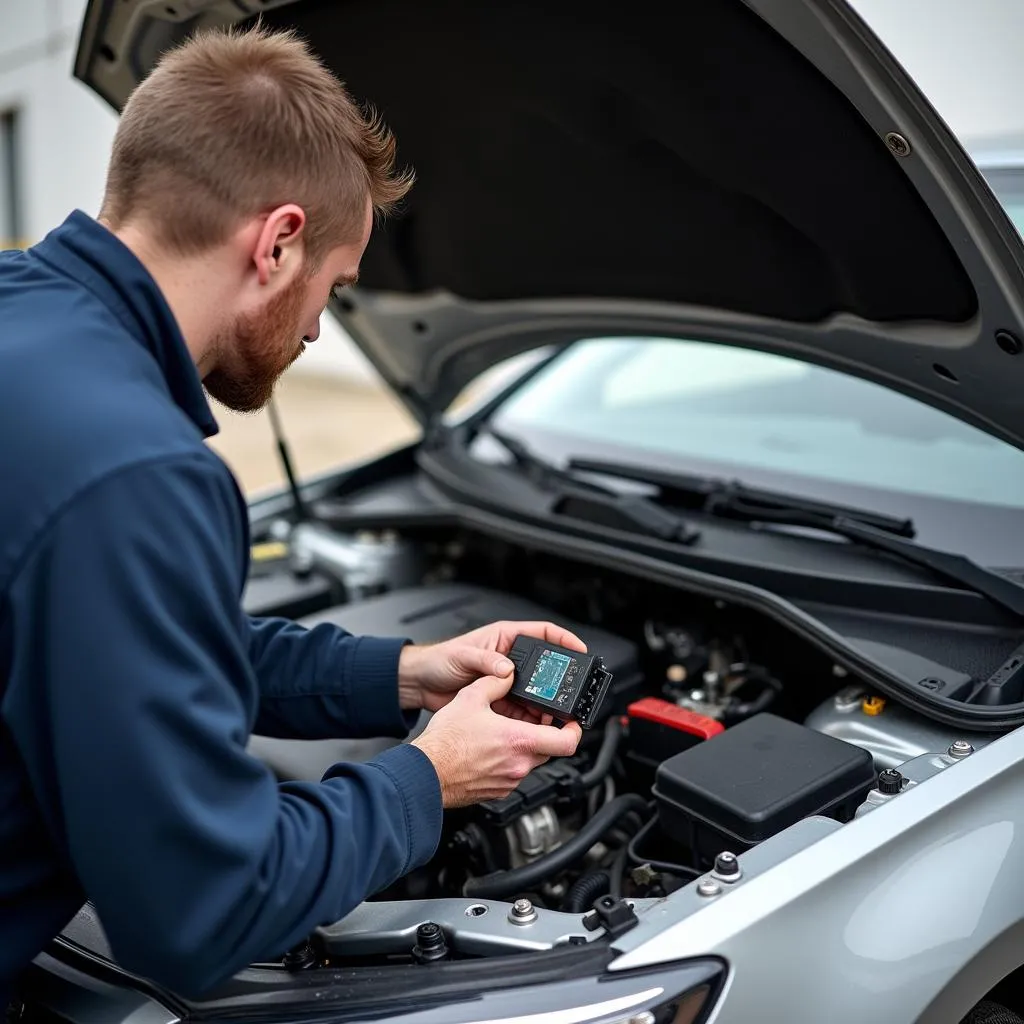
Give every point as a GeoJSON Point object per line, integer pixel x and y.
{"type": "Point", "coordinates": [479, 754]}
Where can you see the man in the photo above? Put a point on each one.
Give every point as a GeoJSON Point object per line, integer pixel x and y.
{"type": "Point", "coordinates": [242, 188]}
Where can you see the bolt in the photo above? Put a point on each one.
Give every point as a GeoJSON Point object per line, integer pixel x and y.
{"type": "Point", "coordinates": [430, 943]}
{"type": "Point", "coordinates": [708, 887]}
{"type": "Point", "coordinates": [522, 912]}
{"type": "Point", "coordinates": [960, 749]}
{"type": "Point", "coordinates": [897, 144]}
{"type": "Point", "coordinates": [727, 866]}
{"type": "Point", "coordinates": [644, 1017]}
{"type": "Point", "coordinates": [301, 957]}
{"type": "Point", "coordinates": [890, 782]}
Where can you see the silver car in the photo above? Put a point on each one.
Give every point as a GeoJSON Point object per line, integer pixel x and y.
{"type": "Point", "coordinates": [756, 435]}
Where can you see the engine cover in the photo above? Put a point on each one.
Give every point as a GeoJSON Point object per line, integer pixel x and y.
{"type": "Point", "coordinates": [426, 615]}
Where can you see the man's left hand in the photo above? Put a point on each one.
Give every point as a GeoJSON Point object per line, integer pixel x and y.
{"type": "Point", "coordinates": [430, 676]}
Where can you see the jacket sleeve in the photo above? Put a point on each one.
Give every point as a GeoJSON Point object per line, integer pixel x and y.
{"type": "Point", "coordinates": [324, 683]}
{"type": "Point", "coordinates": [126, 624]}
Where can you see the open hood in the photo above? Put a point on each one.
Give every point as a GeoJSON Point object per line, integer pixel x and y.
{"type": "Point", "coordinates": [760, 172]}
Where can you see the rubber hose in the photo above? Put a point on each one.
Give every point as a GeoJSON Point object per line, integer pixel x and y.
{"type": "Point", "coordinates": [585, 890]}
{"type": "Point", "coordinates": [605, 756]}
{"type": "Point", "coordinates": [619, 870]}
{"type": "Point", "coordinates": [504, 883]}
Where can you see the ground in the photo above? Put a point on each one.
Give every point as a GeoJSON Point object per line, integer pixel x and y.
{"type": "Point", "coordinates": [327, 422]}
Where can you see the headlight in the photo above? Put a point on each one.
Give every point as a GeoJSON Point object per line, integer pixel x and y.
{"type": "Point", "coordinates": [683, 994]}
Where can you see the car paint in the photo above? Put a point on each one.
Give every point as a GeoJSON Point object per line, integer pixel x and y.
{"type": "Point", "coordinates": [909, 913]}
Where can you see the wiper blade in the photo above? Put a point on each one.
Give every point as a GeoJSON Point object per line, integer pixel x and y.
{"type": "Point", "coordinates": [591, 502]}
{"type": "Point", "coordinates": [735, 500]}
{"type": "Point", "coordinates": [870, 529]}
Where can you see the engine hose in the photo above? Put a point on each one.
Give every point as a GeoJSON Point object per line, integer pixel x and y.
{"type": "Point", "coordinates": [505, 883]}
{"type": "Point", "coordinates": [619, 870]}
{"type": "Point", "coordinates": [585, 890]}
{"type": "Point", "coordinates": [605, 756]}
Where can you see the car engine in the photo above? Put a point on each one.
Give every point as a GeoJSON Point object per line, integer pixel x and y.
{"type": "Point", "coordinates": [719, 731]}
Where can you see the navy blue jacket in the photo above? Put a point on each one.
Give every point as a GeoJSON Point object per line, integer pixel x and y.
{"type": "Point", "coordinates": [130, 678]}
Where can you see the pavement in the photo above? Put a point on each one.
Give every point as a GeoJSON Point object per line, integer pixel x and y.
{"type": "Point", "coordinates": [328, 421]}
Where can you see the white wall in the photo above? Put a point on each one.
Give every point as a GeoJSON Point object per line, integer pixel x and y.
{"type": "Point", "coordinates": [965, 55]}
{"type": "Point", "coordinates": [66, 132]}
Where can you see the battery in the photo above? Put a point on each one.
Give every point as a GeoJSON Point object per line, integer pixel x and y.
{"type": "Point", "coordinates": [568, 685]}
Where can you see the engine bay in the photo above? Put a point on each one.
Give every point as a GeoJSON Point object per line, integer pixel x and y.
{"type": "Point", "coordinates": [720, 731]}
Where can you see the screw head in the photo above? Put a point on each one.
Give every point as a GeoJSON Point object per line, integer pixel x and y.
{"type": "Point", "coordinates": [522, 912]}
{"type": "Point", "coordinates": [960, 749]}
{"type": "Point", "coordinates": [708, 887]}
{"type": "Point", "coordinates": [727, 866]}
{"type": "Point", "coordinates": [428, 933]}
{"type": "Point", "coordinates": [897, 144]}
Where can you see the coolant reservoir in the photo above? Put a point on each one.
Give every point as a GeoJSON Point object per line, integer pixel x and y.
{"type": "Point", "coordinates": [890, 733]}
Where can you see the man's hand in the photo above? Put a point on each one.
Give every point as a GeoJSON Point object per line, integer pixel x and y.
{"type": "Point", "coordinates": [430, 677]}
{"type": "Point", "coordinates": [481, 755]}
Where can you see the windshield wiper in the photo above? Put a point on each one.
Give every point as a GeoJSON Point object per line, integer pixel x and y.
{"type": "Point", "coordinates": [591, 502]}
{"type": "Point", "coordinates": [734, 500]}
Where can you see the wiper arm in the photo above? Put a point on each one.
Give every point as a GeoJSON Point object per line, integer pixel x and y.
{"type": "Point", "coordinates": [870, 529]}
{"type": "Point", "coordinates": [591, 502]}
{"type": "Point", "coordinates": [735, 500]}
{"type": "Point", "coordinates": [955, 568]}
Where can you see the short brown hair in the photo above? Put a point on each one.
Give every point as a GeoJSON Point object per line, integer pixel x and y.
{"type": "Point", "coordinates": [234, 123]}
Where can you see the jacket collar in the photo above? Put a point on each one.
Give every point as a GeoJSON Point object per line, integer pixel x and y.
{"type": "Point", "coordinates": [87, 252]}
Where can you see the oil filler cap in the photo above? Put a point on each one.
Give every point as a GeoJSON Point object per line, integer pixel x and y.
{"type": "Point", "coordinates": [890, 782]}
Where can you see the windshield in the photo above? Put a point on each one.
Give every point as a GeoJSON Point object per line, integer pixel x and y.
{"type": "Point", "coordinates": [1008, 185]}
{"type": "Point", "coordinates": [774, 421]}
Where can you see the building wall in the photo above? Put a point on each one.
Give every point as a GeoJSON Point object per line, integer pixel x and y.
{"type": "Point", "coordinates": [965, 55]}
{"type": "Point", "coordinates": [64, 136]}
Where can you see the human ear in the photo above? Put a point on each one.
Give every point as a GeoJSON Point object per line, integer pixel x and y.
{"type": "Point", "coordinates": [278, 248]}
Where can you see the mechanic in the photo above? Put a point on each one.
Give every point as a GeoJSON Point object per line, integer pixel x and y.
{"type": "Point", "coordinates": [242, 187]}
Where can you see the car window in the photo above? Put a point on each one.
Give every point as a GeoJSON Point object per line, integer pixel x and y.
{"type": "Point", "coordinates": [1008, 185]}
{"type": "Point", "coordinates": [702, 402]}
{"type": "Point", "coordinates": [698, 400]}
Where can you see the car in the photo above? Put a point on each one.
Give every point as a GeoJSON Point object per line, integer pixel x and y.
{"type": "Point", "coordinates": [750, 317]}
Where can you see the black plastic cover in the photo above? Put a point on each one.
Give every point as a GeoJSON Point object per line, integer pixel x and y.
{"type": "Point", "coordinates": [755, 780]}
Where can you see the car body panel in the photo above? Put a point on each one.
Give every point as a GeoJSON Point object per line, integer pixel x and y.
{"type": "Point", "coordinates": [909, 913]}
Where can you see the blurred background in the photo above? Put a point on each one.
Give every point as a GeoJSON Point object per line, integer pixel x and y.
{"type": "Point", "coordinates": [55, 138]}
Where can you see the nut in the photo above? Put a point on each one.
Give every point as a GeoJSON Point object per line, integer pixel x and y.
{"type": "Point", "coordinates": [960, 749]}
{"type": "Point", "coordinates": [522, 912]}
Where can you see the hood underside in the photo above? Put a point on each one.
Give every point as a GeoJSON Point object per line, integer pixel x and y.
{"type": "Point", "coordinates": [759, 172]}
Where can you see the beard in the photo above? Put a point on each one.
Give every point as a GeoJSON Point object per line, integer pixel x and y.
{"type": "Point", "coordinates": [255, 351]}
